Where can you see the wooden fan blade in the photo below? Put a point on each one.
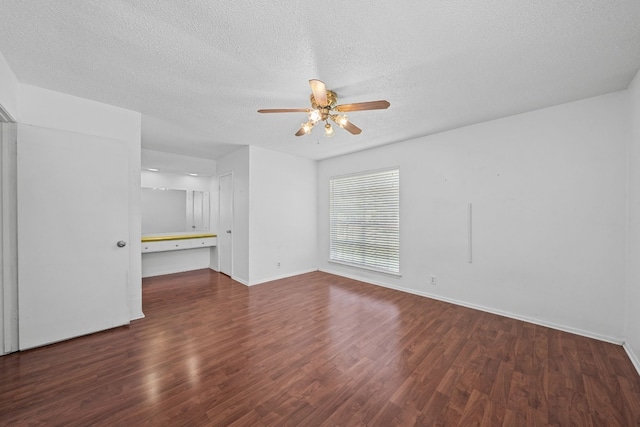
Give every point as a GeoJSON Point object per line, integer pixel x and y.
{"type": "Point", "coordinates": [300, 132]}
{"type": "Point", "coordinates": [361, 106]}
{"type": "Point", "coordinates": [319, 92]}
{"type": "Point", "coordinates": [352, 128]}
{"type": "Point", "coordinates": [284, 110]}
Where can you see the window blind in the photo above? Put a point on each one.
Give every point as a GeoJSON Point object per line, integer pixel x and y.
{"type": "Point", "coordinates": [364, 216]}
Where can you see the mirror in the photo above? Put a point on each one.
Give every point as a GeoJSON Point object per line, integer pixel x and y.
{"type": "Point", "coordinates": [174, 211]}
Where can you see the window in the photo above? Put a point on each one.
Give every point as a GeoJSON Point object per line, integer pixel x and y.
{"type": "Point", "coordinates": [364, 217]}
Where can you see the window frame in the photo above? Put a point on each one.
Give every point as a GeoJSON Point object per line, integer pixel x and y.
{"type": "Point", "coordinates": [392, 269]}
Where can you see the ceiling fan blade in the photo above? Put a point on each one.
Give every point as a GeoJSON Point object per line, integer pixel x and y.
{"type": "Point", "coordinates": [300, 132]}
{"type": "Point", "coordinates": [319, 92]}
{"type": "Point", "coordinates": [284, 110]}
{"type": "Point", "coordinates": [361, 106]}
{"type": "Point", "coordinates": [355, 130]}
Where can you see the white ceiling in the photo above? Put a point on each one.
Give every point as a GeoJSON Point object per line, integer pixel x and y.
{"type": "Point", "coordinates": [199, 70]}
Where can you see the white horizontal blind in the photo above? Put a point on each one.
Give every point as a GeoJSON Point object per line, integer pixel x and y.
{"type": "Point", "coordinates": [364, 215]}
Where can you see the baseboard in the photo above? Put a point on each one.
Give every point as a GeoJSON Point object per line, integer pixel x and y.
{"type": "Point", "coordinates": [559, 327]}
{"type": "Point", "coordinates": [137, 316]}
{"type": "Point", "coordinates": [237, 279]}
{"type": "Point", "coordinates": [632, 356]}
{"type": "Point", "coordinates": [282, 276]}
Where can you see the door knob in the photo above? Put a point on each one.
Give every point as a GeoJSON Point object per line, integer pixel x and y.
{"type": "Point", "coordinates": [229, 231]}
{"type": "Point", "coordinates": [121, 244]}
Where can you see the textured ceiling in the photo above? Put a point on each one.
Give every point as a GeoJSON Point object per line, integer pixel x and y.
{"type": "Point", "coordinates": [199, 70]}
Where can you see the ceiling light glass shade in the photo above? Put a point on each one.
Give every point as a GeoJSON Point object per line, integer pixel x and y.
{"type": "Point", "coordinates": [328, 130]}
{"type": "Point", "coordinates": [306, 127]}
{"type": "Point", "coordinates": [342, 120]}
{"type": "Point", "coordinates": [314, 116]}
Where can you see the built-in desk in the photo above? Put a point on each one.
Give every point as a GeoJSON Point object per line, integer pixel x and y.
{"type": "Point", "coordinates": [175, 242]}
{"type": "Point", "coordinates": [167, 253]}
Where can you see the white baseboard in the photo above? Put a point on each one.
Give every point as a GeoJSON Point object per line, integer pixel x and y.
{"type": "Point", "coordinates": [552, 325]}
{"type": "Point", "coordinates": [137, 316]}
{"type": "Point", "coordinates": [632, 356]}
{"type": "Point", "coordinates": [239, 280]}
{"type": "Point", "coordinates": [282, 276]}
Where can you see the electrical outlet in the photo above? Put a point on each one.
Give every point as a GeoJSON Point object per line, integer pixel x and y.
{"type": "Point", "coordinates": [433, 280]}
{"type": "Point", "coordinates": [278, 265]}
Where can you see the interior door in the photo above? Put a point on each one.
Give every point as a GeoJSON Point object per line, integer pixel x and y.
{"type": "Point", "coordinates": [225, 235]}
{"type": "Point", "coordinates": [73, 213]}
{"type": "Point", "coordinates": [9, 237]}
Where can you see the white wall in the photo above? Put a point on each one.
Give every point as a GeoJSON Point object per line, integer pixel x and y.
{"type": "Point", "coordinates": [274, 214]}
{"type": "Point", "coordinates": [549, 199]}
{"type": "Point", "coordinates": [283, 221]}
{"type": "Point", "coordinates": [633, 292]}
{"type": "Point", "coordinates": [160, 263]}
{"type": "Point", "coordinates": [54, 110]}
{"type": "Point", "coordinates": [177, 163]}
{"type": "Point", "coordinates": [8, 88]}
{"type": "Point", "coordinates": [237, 163]}
{"type": "Point", "coordinates": [175, 181]}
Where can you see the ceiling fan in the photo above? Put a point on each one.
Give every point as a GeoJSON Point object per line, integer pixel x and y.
{"type": "Point", "coordinates": [324, 108]}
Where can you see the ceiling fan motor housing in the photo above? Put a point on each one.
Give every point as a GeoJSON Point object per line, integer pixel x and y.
{"type": "Point", "coordinates": [325, 110]}
{"type": "Point", "coordinates": [332, 99]}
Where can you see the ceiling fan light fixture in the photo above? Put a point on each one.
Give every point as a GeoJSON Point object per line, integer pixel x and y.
{"type": "Point", "coordinates": [342, 120]}
{"type": "Point", "coordinates": [306, 127]}
{"type": "Point", "coordinates": [328, 130]}
{"type": "Point", "coordinates": [314, 116]}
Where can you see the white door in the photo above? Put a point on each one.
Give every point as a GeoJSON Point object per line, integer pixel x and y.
{"type": "Point", "coordinates": [73, 214]}
{"type": "Point", "coordinates": [225, 235]}
{"type": "Point", "coordinates": [9, 237]}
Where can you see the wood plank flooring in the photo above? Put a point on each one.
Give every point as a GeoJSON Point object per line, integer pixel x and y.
{"type": "Point", "coordinates": [316, 349]}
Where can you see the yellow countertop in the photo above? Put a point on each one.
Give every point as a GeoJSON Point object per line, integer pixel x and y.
{"type": "Point", "coordinates": [160, 238]}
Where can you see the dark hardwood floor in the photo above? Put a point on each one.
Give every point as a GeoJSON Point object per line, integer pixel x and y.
{"type": "Point", "coordinates": [314, 350]}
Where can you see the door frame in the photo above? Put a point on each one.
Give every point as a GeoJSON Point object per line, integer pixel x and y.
{"type": "Point", "coordinates": [8, 235]}
{"type": "Point", "coordinates": [230, 175]}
